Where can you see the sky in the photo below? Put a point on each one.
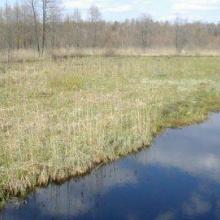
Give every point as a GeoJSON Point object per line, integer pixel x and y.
{"type": "Point", "coordinates": [191, 10]}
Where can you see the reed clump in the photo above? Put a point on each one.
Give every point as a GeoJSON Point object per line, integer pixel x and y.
{"type": "Point", "coordinates": [61, 119]}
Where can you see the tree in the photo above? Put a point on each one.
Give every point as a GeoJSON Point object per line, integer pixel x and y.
{"type": "Point", "coordinates": [145, 26]}
{"type": "Point", "coordinates": [33, 4]}
{"type": "Point", "coordinates": [77, 18]}
{"type": "Point", "coordinates": [39, 24]}
{"type": "Point", "coordinates": [44, 11]}
{"type": "Point", "coordinates": [17, 12]}
{"type": "Point", "coordinates": [50, 12]}
{"type": "Point", "coordinates": [8, 30]}
{"type": "Point", "coordinates": [94, 18]}
{"type": "Point", "coordinates": [179, 35]}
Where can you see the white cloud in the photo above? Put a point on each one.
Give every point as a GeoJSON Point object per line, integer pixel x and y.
{"type": "Point", "coordinates": [195, 5]}
{"type": "Point", "coordinates": [191, 8]}
{"type": "Point", "coordinates": [106, 5]}
{"type": "Point", "coordinates": [195, 150]}
{"type": "Point", "coordinates": [85, 4]}
{"type": "Point", "coordinates": [196, 206]}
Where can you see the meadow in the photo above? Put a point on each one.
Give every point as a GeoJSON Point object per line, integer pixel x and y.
{"type": "Point", "coordinates": [60, 119]}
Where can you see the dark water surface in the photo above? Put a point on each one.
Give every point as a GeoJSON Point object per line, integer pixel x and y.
{"type": "Point", "coordinates": [177, 178]}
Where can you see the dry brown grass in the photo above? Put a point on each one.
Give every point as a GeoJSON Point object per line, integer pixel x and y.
{"type": "Point", "coordinates": [30, 55]}
{"type": "Point", "coordinates": [60, 119]}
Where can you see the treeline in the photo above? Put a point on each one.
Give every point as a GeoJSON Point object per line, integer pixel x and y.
{"type": "Point", "coordinates": [42, 24]}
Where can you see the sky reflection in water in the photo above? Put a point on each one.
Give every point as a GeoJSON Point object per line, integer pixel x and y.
{"type": "Point", "coordinates": [177, 178]}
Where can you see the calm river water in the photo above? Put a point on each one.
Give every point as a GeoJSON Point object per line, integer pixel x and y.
{"type": "Point", "coordinates": [178, 177]}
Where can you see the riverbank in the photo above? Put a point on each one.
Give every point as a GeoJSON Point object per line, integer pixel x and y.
{"type": "Point", "coordinates": [61, 119]}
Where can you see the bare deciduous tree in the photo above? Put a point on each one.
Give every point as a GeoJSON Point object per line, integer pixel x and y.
{"type": "Point", "coordinates": [77, 18]}
{"type": "Point", "coordinates": [40, 24]}
{"type": "Point", "coordinates": [8, 30]}
{"type": "Point", "coordinates": [146, 26]}
{"type": "Point", "coordinates": [34, 5]}
{"type": "Point", "coordinates": [94, 17]}
{"type": "Point", "coordinates": [180, 37]}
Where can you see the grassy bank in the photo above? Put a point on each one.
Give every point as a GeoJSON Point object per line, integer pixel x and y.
{"type": "Point", "coordinates": [30, 55]}
{"type": "Point", "coordinates": [60, 119]}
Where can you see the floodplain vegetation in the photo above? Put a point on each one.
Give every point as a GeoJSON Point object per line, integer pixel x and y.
{"type": "Point", "coordinates": [60, 119]}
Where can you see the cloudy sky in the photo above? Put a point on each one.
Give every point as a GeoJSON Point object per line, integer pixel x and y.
{"type": "Point", "coordinates": [205, 10]}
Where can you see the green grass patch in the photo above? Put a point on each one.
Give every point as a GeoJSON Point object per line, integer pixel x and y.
{"type": "Point", "coordinates": [68, 81]}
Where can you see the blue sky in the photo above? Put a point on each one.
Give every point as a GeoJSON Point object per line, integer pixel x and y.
{"type": "Point", "coordinates": [203, 10]}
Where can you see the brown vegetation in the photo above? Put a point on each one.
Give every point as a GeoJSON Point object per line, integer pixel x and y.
{"type": "Point", "coordinates": [44, 27]}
